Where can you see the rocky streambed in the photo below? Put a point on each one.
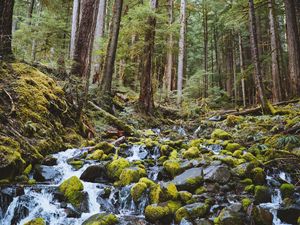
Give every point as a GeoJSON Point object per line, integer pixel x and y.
{"type": "Point", "coordinates": [162, 178]}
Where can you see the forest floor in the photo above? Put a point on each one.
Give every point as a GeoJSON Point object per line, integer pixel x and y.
{"type": "Point", "coordinates": [211, 168]}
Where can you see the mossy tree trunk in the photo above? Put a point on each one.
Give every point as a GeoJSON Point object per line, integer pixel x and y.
{"type": "Point", "coordinates": [6, 15]}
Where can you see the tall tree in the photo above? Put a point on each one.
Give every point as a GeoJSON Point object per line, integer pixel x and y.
{"type": "Point", "coordinates": [181, 51]}
{"type": "Point", "coordinates": [255, 59]}
{"type": "Point", "coordinates": [146, 102]}
{"type": "Point", "coordinates": [6, 15]}
{"type": "Point", "coordinates": [75, 22]}
{"type": "Point", "coordinates": [293, 47]}
{"type": "Point", "coordinates": [109, 63]}
{"type": "Point", "coordinates": [205, 38]}
{"type": "Point", "coordinates": [276, 88]}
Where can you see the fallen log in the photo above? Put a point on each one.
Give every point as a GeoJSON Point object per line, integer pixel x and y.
{"type": "Point", "coordinates": [114, 120]}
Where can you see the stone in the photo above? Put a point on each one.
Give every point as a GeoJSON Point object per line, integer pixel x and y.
{"type": "Point", "coordinates": [262, 216]}
{"type": "Point", "coordinates": [49, 160]}
{"type": "Point", "coordinates": [262, 194]}
{"type": "Point", "coordinates": [228, 217]}
{"type": "Point", "coordinates": [101, 219]}
{"type": "Point", "coordinates": [189, 180]}
{"type": "Point", "coordinates": [93, 173]}
{"type": "Point", "coordinates": [220, 174]}
{"type": "Point", "coordinates": [191, 211]}
{"type": "Point", "coordinates": [289, 214]}
{"type": "Point", "coordinates": [43, 173]}
{"type": "Point", "coordinates": [220, 134]}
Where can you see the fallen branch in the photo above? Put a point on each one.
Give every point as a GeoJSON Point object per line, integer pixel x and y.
{"type": "Point", "coordinates": [13, 108]}
{"type": "Point", "coordinates": [114, 120]}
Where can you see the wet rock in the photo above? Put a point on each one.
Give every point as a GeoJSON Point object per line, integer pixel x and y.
{"type": "Point", "coordinates": [101, 218]}
{"type": "Point", "coordinates": [219, 173]}
{"type": "Point", "coordinates": [258, 176]}
{"type": "Point", "coordinates": [262, 216]}
{"type": "Point", "coordinates": [228, 217]}
{"type": "Point", "coordinates": [37, 221]}
{"type": "Point", "coordinates": [21, 210]}
{"type": "Point", "coordinates": [220, 134]}
{"type": "Point", "coordinates": [49, 161]}
{"type": "Point", "coordinates": [6, 197]}
{"type": "Point", "coordinates": [45, 173]}
{"type": "Point", "coordinates": [203, 222]}
{"type": "Point", "coordinates": [72, 213]}
{"type": "Point", "coordinates": [189, 180]}
{"type": "Point", "coordinates": [115, 168]}
{"type": "Point", "coordinates": [262, 194]}
{"type": "Point", "coordinates": [130, 220]}
{"type": "Point", "coordinates": [192, 211]}
{"type": "Point", "coordinates": [243, 170]}
{"type": "Point", "coordinates": [95, 173]}
{"type": "Point", "coordinates": [162, 213]}
{"type": "Point", "coordinates": [185, 222]}
{"type": "Point", "coordinates": [289, 214]}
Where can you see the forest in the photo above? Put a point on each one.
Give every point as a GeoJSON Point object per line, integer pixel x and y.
{"type": "Point", "coordinates": [163, 112]}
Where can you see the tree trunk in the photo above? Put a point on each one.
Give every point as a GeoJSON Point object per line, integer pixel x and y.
{"type": "Point", "coordinates": [205, 38]}
{"type": "Point", "coordinates": [111, 48]}
{"type": "Point", "coordinates": [30, 11]}
{"type": "Point", "coordinates": [242, 69]}
{"type": "Point", "coordinates": [75, 22]}
{"type": "Point", "coordinates": [6, 15]}
{"type": "Point", "coordinates": [169, 67]}
{"type": "Point", "coordinates": [181, 51]}
{"type": "Point", "coordinates": [293, 47]}
{"type": "Point", "coordinates": [146, 102]}
{"type": "Point", "coordinates": [255, 58]}
{"type": "Point", "coordinates": [99, 33]}
{"type": "Point", "coordinates": [276, 88]}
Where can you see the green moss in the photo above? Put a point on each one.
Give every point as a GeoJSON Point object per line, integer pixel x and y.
{"type": "Point", "coordinates": [101, 219]}
{"type": "Point", "coordinates": [165, 150]}
{"type": "Point", "coordinates": [191, 212]}
{"type": "Point", "coordinates": [27, 170]}
{"type": "Point", "coordinates": [246, 202]}
{"type": "Point", "coordinates": [128, 176]}
{"type": "Point", "coordinates": [148, 182]}
{"type": "Point", "coordinates": [37, 221]}
{"type": "Point", "coordinates": [287, 190]}
{"type": "Point", "coordinates": [116, 167]}
{"type": "Point", "coordinates": [232, 120]}
{"type": "Point", "coordinates": [249, 188]}
{"type": "Point", "coordinates": [31, 181]}
{"type": "Point", "coordinates": [261, 194]}
{"type": "Point", "coordinates": [72, 189]}
{"type": "Point", "coordinates": [237, 153]}
{"type": "Point", "coordinates": [137, 190]}
{"type": "Point", "coordinates": [247, 181]}
{"type": "Point", "coordinates": [185, 196]}
{"type": "Point", "coordinates": [232, 147]}
{"type": "Point", "coordinates": [220, 134]}
{"type": "Point", "coordinates": [77, 164]}
{"type": "Point", "coordinates": [155, 193]}
{"type": "Point", "coordinates": [106, 147]}
{"type": "Point", "coordinates": [200, 190]}
{"type": "Point", "coordinates": [258, 176]}
{"type": "Point", "coordinates": [154, 213]}
{"type": "Point", "coordinates": [96, 155]}
{"type": "Point", "coordinates": [170, 192]}
{"type": "Point", "coordinates": [173, 155]}
{"type": "Point", "coordinates": [173, 206]}
{"type": "Point", "coordinates": [172, 167]}
{"type": "Point", "coordinates": [192, 152]}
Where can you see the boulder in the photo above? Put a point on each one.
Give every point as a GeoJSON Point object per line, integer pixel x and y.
{"type": "Point", "coordinates": [220, 174]}
{"type": "Point", "coordinates": [49, 161]}
{"type": "Point", "coordinates": [220, 134]}
{"type": "Point", "coordinates": [192, 211]}
{"type": "Point", "coordinates": [228, 217]}
{"type": "Point", "coordinates": [45, 173]}
{"type": "Point", "coordinates": [262, 216]}
{"type": "Point", "coordinates": [262, 194]}
{"type": "Point", "coordinates": [189, 180]}
{"type": "Point", "coordinates": [95, 173]}
{"type": "Point", "coordinates": [115, 168]}
{"type": "Point", "coordinates": [289, 214]}
{"type": "Point", "coordinates": [101, 219]}
{"type": "Point", "coordinates": [37, 221]}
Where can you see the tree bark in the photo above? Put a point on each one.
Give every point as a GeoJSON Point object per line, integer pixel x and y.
{"type": "Point", "coordinates": [255, 58]}
{"type": "Point", "coordinates": [242, 69]}
{"type": "Point", "coordinates": [111, 48]}
{"type": "Point", "coordinates": [75, 22]}
{"type": "Point", "coordinates": [30, 11]}
{"type": "Point", "coordinates": [276, 88]}
{"type": "Point", "coordinates": [6, 16]}
{"type": "Point", "coordinates": [205, 38]}
{"type": "Point", "coordinates": [146, 102]}
{"type": "Point", "coordinates": [293, 47]}
{"type": "Point", "coordinates": [181, 51]}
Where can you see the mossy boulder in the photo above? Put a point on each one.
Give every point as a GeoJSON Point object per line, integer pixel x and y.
{"type": "Point", "coordinates": [258, 176]}
{"type": "Point", "coordinates": [185, 196]}
{"type": "Point", "coordinates": [189, 180]}
{"type": "Point", "coordinates": [106, 147]}
{"type": "Point", "coordinates": [169, 192]}
{"type": "Point", "coordinates": [162, 212]}
{"type": "Point", "coordinates": [128, 176]}
{"type": "Point", "coordinates": [192, 211]}
{"type": "Point", "coordinates": [229, 217]}
{"type": "Point", "coordinates": [192, 152]}
{"type": "Point", "coordinates": [172, 167]}
{"type": "Point", "coordinates": [231, 147]}
{"type": "Point", "coordinates": [262, 216]}
{"type": "Point", "coordinates": [138, 190]}
{"type": "Point", "coordinates": [115, 168]}
{"type": "Point", "coordinates": [155, 193]}
{"type": "Point", "coordinates": [246, 202]}
{"type": "Point", "coordinates": [220, 134]}
{"type": "Point", "coordinates": [96, 155]}
{"type": "Point", "coordinates": [101, 219]}
{"type": "Point", "coordinates": [262, 194]}
{"type": "Point", "coordinates": [72, 189]}
{"type": "Point", "coordinates": [287, 190]}
{"type": "Point", "coordinates": [37, 221]}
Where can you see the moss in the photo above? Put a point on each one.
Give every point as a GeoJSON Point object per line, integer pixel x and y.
{"type": "Point", "coordinates": [249, 157]}
{"type": "Point", "coordinates": [192, 152]}
{"type": "Point", "coordinates": [287, 190]}
{"type": "Point", "coordinates": [116, 167]}
{"type": "Point", "coordinates": [37, 221]}
{"type": "Point", "coordinates": [232, 120]}
{"type": "Point", "coordinates": [154, 213]}
{"type": "Point", "coordinates": [232, 147]}
{"type": "Point", "coordinates": [77, 164]}
{"type": "Point", "coordinates": [262, 194]}
{"type": "Point", "coordinates": [106, 147]}
{"type": "Point", "coordinates": [249, 188]}
{"type": "Point", "coordinates": [173, 206]}
{"type": "Point", "coordinates": [72, 189]}
{"type": "Point", "coordinates": [148, 182]}
{"type": "Point", "coordinates": [173, 155]}
{"type": "Point", "coordinates": [101, 219]}
{"type": "Point", "coordinates": [27, 170]}
{"type": "Point", "coordinates": [258, 176]}
{"type": "Point", "coordinates": [96, 155]}
{"type": "Point", "coordinates": [165, 150]}
{"type": "Point", "coordinates": [185, 196]}
{"type": "Point", "coordinates": [220, 134]}
{"type": "Point", "coordinates": [247, 181]}
{"type": "Point", "coordinates": [155, 193]}
{"type": "Point", "coordinates": [4, 182]}
{"type": "Point", "coordinates": [21, 179]}
{"type": "Point", "coordinates": [298, 221]}
{"type": "Point", "coordinates": [194, 181]}
{"type": "Point", "coordinates": [200, 190]}
{"type": "Point", "coordinates": [191, 212]}
{"type": "Point", "coordinates": [237, 153]}
{"type": "Point", "coordinates": [148, 133]}
{"type": "Point", "coordinates": [246, 202]}
{"type": "Point", "coordinates": [170, 192]}
{"type": "Point", "coordinates": [31, 181]}
{"type": "Point", "coordinates": [128, 176]}
{"type": "Point", "coordinates": [137, 190]}
{"type": "Point", "coordinates": [172, 167]}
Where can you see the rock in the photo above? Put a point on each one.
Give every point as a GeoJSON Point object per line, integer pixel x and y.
{"type": "Point", "coordinates": [115, 168]}
{"type": "Point", "coordinates": [45, 173]}
{"type": "Point", "coordinates": [138, 190]}
{"type": "Point", "coordinates": [258, 176]}
{"type": "Point", "coordinates": [203, 222]}
{"type": "Point", "coordinates": [162, 212]}
{"type": "Point", "coordinates": [49, 160]}
{"type": "Point", "coordinates": [101, 219]}
{"type": "Point", "coordinates": [132, 220]}
{"type": "Point", "coordinates": [243, 170]}
{"type": "Point", "coordinates": [6, 196]}
{"type": "Point", "coordinates": [189, 180]}
{"type": "Point", "coordinates": [37, 221]}
{"type": "Point", "coordinates": [220, 134]}
{"type": "Point", "coordinates": [72, 190]}
{"type": "Point", "coordinates": [228, 217]}
{"type": "Point", "coordinates": [96, 155]}
{"type": "Point", "coordinates": [72, 213]}
{"type": "Point", "coordinates": [287, 190]}
{"type": "Point", "coordinates": [262, 194]}
{"type": "Point", "coordinates": [192, 152]}
{"type": "Point", "coordinates": [231, 147]}
{"type": "Point", "coordinates": [77, 164]}
{"type": "Point", "coordinates": [106, 147]}
{"type": "Point", "coordinates": [220, 174]}
{"type": "Point", "coordinates": [185, 222]}
{"type": "Point", "coordinates": [262, 216]}
{"type": "Point", "coordinates": [128, 176]}
{"type": "Point", "coordinates": [169, 192]}
{"type": "Point", "coordinates": [95, 173]}
{"type": "Point", "coordinates": [289, 214]}
{"type": "Point", "coordinates": [192, 211]}
{"type": "Point", "coordinates": [172, 167]}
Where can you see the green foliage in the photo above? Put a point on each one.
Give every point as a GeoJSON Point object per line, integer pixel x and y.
{"type": "Point", "coordinates": [288, 140]}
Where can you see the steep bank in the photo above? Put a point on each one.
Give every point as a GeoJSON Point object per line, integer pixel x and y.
{"type": "Point", "coordinates": [35, 119]}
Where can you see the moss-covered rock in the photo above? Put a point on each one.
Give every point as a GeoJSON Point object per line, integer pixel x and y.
{"type": "Point", "coordinates": [138, 190]}
{"type": "Point", "coordinates": [172, 167]}
{"type": "Point", "coordinates": [232, 147]}
{"type": "Point", "coordinates": [106, 147]}
{"type": "Point", "coordinates": [287, 190]}
{"type": "Point", "coordinates": [72, 190]}
{"type": "Point", "coordinates": [128, 176]}
{"type": "Point", "coordinates": [155, 194]}
{"type": "Point", "coordinates": [258, 176]}
{"type": "Point", "coordinates": [185, 196]}
{"type": "Point", "coordinates": [261, 194]}
{"type": "Point", "coordinates": [191, 211]}
{"type": "Point", "coordinates": [154, 213]}
{"type": "Point", "coordinates": [228, 217]}
{"type": "Point", "coordinates": [96, 155]}
{"type": "Point", "coordinates": [246, 202]}
{"type": "Point", "coordinates": [115, 168]}
{"type": "Point", "coordinates": [37, 221]}
{"type": "Point", "coordinates": [192, 152]}
{"type": "Point", "coordinates": [101, 219]}
{"type": "Point", "coordinates": [169, 192]}
{"type": "Point", "coordinates": [220, 134]}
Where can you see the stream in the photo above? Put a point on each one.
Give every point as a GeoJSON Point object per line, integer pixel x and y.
{"type": "Point", "coordinates": [22, 204]}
